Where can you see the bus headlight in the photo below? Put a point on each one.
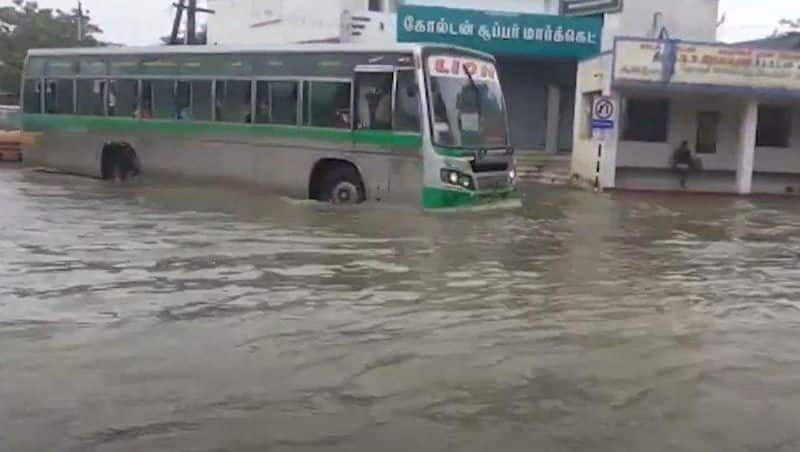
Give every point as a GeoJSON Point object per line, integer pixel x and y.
{"type": "Point", "coordinates": [452, 177]}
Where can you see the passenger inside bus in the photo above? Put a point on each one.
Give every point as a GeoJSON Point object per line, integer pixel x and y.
{"type": "Point", "coordinates": [342, 100]}
{"type": "Point", "coordinates": [51, 96]}
{"type": "Point", "coordinates": [233, 101]}
{"type": "Point", "coordinates": [375, 101]}
{"type": "Point", "coordinates": [183, 101]}
{"type": "Point", "coordinates": [145, 110]}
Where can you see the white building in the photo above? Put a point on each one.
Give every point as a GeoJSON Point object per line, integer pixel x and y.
{"type": "Point", "coordinates": [538, 74]}
{"type": "Point", "coordinates": [735, 107]}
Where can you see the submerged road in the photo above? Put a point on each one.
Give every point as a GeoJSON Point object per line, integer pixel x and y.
{"type": "Point", "coordinates": [177, 318]}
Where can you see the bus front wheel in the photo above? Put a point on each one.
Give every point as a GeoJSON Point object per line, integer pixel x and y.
{"type": "Point", "coordinates": [343, 185]}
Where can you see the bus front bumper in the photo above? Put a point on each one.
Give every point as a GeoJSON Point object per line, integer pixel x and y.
{"type": "Point", "coordinates": [438, 199]}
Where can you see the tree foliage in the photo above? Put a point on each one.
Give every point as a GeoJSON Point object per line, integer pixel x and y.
{"type": "Point", "coordinates": [793, 24]}
{"type": "Point", "coordinates": [24, 26]}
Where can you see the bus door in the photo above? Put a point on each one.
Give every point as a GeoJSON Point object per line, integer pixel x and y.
{"type": "Point", "coordinates": [374, 90]}
{"type": "Point", "coordinates": [387, 105]}
{"type": "Point", "coordinates": [387, 122]}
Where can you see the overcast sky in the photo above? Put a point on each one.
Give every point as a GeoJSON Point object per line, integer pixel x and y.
{"type": "Point", "coordinates": [144, 21]}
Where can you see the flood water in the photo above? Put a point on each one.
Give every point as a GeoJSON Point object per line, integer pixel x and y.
{"type": "Point", "coordinates": [178, 318]}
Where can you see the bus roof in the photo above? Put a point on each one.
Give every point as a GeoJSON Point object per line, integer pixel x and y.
{"type": "Point", "coordinates": [213, 49]}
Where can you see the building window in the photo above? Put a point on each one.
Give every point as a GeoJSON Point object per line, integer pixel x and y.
{"type": "Point", "coordinates": [376, 5]}
{"type": "Point", "coordinates": [646, 120]}
{"type": "Point", "coordinates": [774, 127]}
{"type": "Point", "coordinates": [707, 132]}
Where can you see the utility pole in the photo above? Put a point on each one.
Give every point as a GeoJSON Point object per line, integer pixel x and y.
{"type": "Point", "coordinates": [176, 24]}
{"type": "Point", "coordinates": [191, 21]}
{"type": "Point", "coordinates": [80, 16]}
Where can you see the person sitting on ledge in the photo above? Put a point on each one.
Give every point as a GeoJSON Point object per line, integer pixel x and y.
{"type": "Point", "coordinates": [683, 162]}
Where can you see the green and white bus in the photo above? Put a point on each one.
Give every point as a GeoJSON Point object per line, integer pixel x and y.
{"type": "Point", "coordinates": [334, 123]}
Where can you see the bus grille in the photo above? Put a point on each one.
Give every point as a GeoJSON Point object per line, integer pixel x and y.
{"type": "Point", "coordinates": [497, 181]}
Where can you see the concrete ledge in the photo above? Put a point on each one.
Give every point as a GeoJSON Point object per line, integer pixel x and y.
{"type": "Point", "coordinates": [705, 181]}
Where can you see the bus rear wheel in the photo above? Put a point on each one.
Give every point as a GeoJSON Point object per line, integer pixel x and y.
{"type": "Point", "coordinates": [119, 162]}
{"type": "Point", "coordinates": [343, 185]}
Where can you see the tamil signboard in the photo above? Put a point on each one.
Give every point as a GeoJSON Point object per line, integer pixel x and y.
{"type": "Point", "coordinates": [501, 33]}
{"type": "Point", "coordinates": [639, 61]}
{"type": "Point", "coordinates": [683, 63]}
{"type": "Point", "coordinates": [589, 7]}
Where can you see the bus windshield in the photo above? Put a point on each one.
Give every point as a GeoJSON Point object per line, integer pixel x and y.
{"type": "Point", "coordinates": [467, 105]}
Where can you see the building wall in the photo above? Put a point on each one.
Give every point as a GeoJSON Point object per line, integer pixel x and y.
{"type": "Point", "coordinates": [691, 20]}
{"type": "Point", "coordinates": [521, 6]}
{"type": "Point", "coordinates": [243, 21]}
{"type": "Point", "coordinates": [591, 81]}
{"type": "Point", "coordinates": [271, 22]}
{"type": "Point", "coordinates": [683, 126]}
{"type": "Point", "coordinates": [382, 27]}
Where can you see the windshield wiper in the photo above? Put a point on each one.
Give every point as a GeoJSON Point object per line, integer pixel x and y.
{"type": "Point", "coordinates": [481, 152]}
{"type": "Point", "coordinates": [477, 91]}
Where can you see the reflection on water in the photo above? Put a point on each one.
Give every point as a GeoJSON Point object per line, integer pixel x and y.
{"type": "Point", "coordinates": [201, 319]}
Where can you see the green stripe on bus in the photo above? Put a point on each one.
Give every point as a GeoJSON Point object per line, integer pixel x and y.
{"type": "Point", "coordinates": [71, 123]}
{"type": "Point", "coordinates": [453, 152]}
{"type": "Point", "coordinates": [440, 198]}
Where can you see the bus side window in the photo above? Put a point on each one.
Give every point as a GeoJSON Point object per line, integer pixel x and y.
{"type": "Point", "coordinates": [327, 104]}
{"type": "Point", "coordinates": [33, 96]}
{"type": "Point", "coordinates": [59, 95]}
{"type": "Point", "coordinates": [374, 101]}
{"type": "Point", "coordinates": [407, 106]}
{"type": "Point", "coordinates": [91, 97]}
{"type": "Point", "coordinates": [276, 103]}
{"type": "Point", "coordinates": [201, 100]}
{"type": "Point", "coordinates": [193, 101]}
{"type": "Point", "coordinates": [145, 111]}
{"type": "Point", "coordinates": [233, 101]}
{"type": "Point", "coordinates": [183, 101]}
{"type": "Point", "coordinates": [162, 99]}
{"type": "Point", "coordinates": [123, 98]}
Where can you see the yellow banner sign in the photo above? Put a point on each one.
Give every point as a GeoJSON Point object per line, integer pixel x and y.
{"type": "Point", "coordinates": [703, 64]}
{"type": "Point", "coordinates": [638, 61]}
